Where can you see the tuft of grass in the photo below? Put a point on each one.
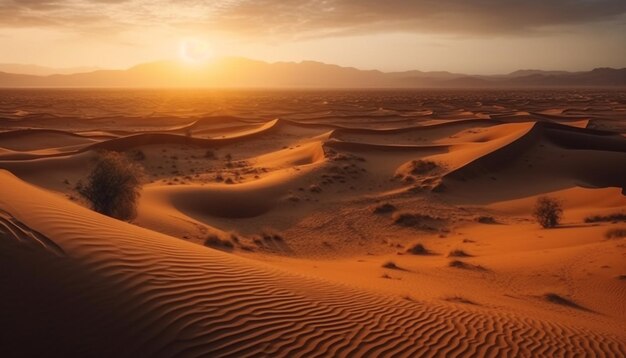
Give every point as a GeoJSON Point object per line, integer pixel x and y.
{"type": "Point", "coordinates": [459, 299]}
{"type": "Point", "coordinates": [457, 264]}
{"type": "Point", "coordinates": [421, 167]}
{"type": "Point", "coordinates": [458, 253]}
{"type": "Point", "coordinates": [615, 233]}
{"type": "Point", "coordinates": [615, 217]}
{"type": "Point", "coordinates": [417, 249]}
{"type": "Point", "coordinates": [137, 155]}
{"type": "Point", "coordinates": [216, 242]}
{"type": "Point", "coordinates": [556, 299]}
{"type": "Point", "coordinates": [391, 265]}
{"type": "Point", "coordinates": [270, 235]}
{"type": "Point", "coordinates": [419, 221]}
{"type": "Point", "coordinates": [384, 208]}
{"type": "Point", "coordinates": [210, 154]}
{"type": "Point", "coordinates": [486, 220]}
{"type": "Point", "coordinates": [464, 265]}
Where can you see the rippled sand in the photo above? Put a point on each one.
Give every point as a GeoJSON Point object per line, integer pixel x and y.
{"type": "Point", "coordinates": [315, 202]}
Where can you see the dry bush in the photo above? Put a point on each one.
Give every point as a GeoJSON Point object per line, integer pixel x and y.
{"type": "Point", "coordinates": [391, 265]}
{"type": "Point", "coordinates": [421, 167]}
{"type": "Point", "coordinates": [458, 253]}
{"type": "Point", "coordinates": [113, 186]}
{"type": "Point", "coordinates": [417, 221]}
{"type": "Point", "coordinates": [616, 233]}
{"type": "Point", "coordinates": [615, 217]}
{"type": "Point", "coordinates": [417, 249]}
{"type": "Point", "coordinates": [457, 264]}
{"type": "Point", "coordinates": [384, 208]}
{"type": "Point", "coordinates": [216, 242]}
{"type": "Point", "coordinates": [548, 211]}
{"type": "Point", "coordinates": [486, 220]}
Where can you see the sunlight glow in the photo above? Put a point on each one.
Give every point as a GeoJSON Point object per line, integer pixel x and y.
{"type": "Point", "coordinates": [194, 51]}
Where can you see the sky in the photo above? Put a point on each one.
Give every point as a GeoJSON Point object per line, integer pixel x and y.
{"type": "Point", "coordinates": [476, 37]}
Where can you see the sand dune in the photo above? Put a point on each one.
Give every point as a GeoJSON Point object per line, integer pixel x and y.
{"type": "Point", "coordinates": [316, 224]}
{"type": "Point", "coordinates": [213, 303]}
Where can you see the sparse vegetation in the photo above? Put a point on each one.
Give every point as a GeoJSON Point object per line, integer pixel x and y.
{"type": "Point", "coordinates": [486, 220]}
{"type": "Point", "coordinates": [457, 264]}
{"type": "Point", "coordinates": [548, 211]}
{"type": "Point", "coordinates": [615, 233]}
{"type": "Point", "coordinates": [137, 155]}
{"type": "Point", "coordinates": [458, 253]}
{"type": "Point", "coordinates": [417, 249]}
{"type": "Point", "coordinates": [270, 235]}
{"type": "Point", "coordinates": [556, 299]}
{"type": "Point", "coordinates": [615, 217]}
{"type": "Point", "coordinates": [210, 154]}
{"type": "Point", "coordinates": [113, 186]}
{"type": "Point", "coordinates": [464, 265]}
{"type": "Point", "coordinates": [421, 167]}
{"type": "Point", "coordinates": [391, 265]}
{"type": "Point", "coordinates": [459, 299]}
{"type": "Point", "coordinates": [384, 208]}
{"type": "Point", "coordinates": [414, 220]}
{"type": "Point", "coordinates": [216, 242]}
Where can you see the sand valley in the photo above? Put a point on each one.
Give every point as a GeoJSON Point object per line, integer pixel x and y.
{"type": "Point", "coordinates": [316, 223]}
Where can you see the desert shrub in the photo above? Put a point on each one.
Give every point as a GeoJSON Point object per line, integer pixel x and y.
{"type": "Point", "coordinates": [548, 211]}
{"type": "Point", "coordinates": [417, 249]}
{"type": "Point", "coordinates": [137, 155]}
{"type": "Point", "coordinates": [391, 265]}
{"type": "Point", "coordinates": [615, 217]}
{"type": "Point", "coordinates": [113, 186]}
{"type": "Point", "coordinates": [417, 221]}
{"type": "Point", "coordinates": [486, 220]}
{"type": "Point", "coordinates": [210, 154]}
{"type": "Point", "coordinates": [457, 264]}
{"type": "Point", "coordinates": [421, 167]}
{"type": "Point", "coordinates": [458, 253]}
{"type": "Point", "coordinates": [616, 233]}
{"type": "Point", "coordinates": [384, 208]}
{"type": "Point", "coordinates": [216, 242]}
{"type": "Point", "coordinates": [560, 300]}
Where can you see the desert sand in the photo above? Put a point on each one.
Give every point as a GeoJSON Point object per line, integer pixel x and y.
{"type": "Point", "coordinates": [313, 204]}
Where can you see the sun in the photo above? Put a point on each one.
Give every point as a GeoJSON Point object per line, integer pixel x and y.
{"type": "Point", "coordinates": [194, 51]}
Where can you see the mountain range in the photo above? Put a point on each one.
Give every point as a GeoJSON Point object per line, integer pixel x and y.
{"type": "Point", "coordinates": [246, 73]}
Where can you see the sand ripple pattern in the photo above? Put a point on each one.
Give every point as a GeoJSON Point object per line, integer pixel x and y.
{"type": "Point", "coordinates": [153, 295]}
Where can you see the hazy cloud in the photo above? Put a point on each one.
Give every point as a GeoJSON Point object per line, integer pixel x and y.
{"type": "Point", "coordinates": [316, 18]}
{"type": "Point", "coordinates": [319, 17]}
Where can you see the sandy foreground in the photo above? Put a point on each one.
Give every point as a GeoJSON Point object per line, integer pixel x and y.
{"type": "Point", "coordinates": [312, 202]}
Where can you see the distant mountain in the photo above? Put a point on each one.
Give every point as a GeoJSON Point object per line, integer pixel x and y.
{"type": "Point", "coordinates": [41, 70]}
{"type": "Point", "coordinates": [524, 73]}
{"type": "Point", "coordinates": [242, 72]}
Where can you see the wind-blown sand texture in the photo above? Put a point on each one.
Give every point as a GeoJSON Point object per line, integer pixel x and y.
{"type": "Point", "coordinates": [315, 202]}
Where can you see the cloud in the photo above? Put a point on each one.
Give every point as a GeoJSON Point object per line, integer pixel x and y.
{"type": "Point", "coordinates": [323, 17]}
{"type": "Point", "coordinates": [315, 18]}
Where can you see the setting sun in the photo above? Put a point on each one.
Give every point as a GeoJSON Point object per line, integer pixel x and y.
{"type": "Point", "coordinates": [194, 51]}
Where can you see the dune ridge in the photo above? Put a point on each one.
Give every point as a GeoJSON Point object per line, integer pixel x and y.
{"type": "Point", "coordinates": [323, 223]}
{"type": "Point", "coordinates": [213, 303]}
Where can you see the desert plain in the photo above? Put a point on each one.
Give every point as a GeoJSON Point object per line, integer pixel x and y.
{"type": "Point", "coordinates": [315, 223]}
